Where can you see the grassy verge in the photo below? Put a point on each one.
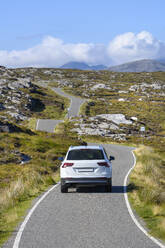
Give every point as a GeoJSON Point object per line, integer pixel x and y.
{"type": "Point", "coordinates": [148, 189]}
{"type": "Point", "coordinates": [17, 201]}
{"type": "Point", "coordinates": [21, 183]}
{"type": "Point", "coordinates": [83, 108]}
{"type": "Point", "coordinates": [31, 124]}
{"type": "Point", "coordinates": [55, 105]}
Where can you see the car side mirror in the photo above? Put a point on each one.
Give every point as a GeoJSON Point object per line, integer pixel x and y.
{"type": "Point", "coordinates": [61, 158]}
{"type": "Point", "coordinates": [111, 158]}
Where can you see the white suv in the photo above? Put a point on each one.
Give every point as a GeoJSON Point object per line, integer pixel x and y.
{"type": "Point", "coordinates": [84, 166]}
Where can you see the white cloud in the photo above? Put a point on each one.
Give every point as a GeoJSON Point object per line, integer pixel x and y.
{"type": "Point", "coordinates": [53, 52]}
{"type": "Point", "coordinates": [130, 46]}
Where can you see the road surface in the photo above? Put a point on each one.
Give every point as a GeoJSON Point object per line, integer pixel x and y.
{"type": "Point", "coordinates": [47, 125]}
{"type": "Point", "coordinates": [75, 102]}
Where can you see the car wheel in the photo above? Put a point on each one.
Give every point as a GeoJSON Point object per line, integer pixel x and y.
{"type": "Point", "coordinates": [64, 186]}
{"type": "Point", "coordinates": [64, 189]}
{"type": "Point", "coordinates": [109, 186]}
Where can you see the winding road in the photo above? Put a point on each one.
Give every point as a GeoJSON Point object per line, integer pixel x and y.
{"type": "Point", "coordinates": [88, 218]}
{"type": "Point", "coordinates": [75, 103]}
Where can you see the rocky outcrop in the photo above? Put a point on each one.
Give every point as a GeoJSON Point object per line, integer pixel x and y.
{"type": "Point", "coordinates": [114, 126]}
{"type": "Point", "coordinates": [16, 157]}
{"type": "Point", "coordinates": [24, 83]}
{"type": "Point", "coordinates": [16, 100]}
{"type": "Point", "coordinates": [9, 127]}
{"type": "Point", "coordinates": [115, 118]}
{"type": "Point", "coordinates": [17, 116]}
{"type": "Point", "coordinates": [34, 104]}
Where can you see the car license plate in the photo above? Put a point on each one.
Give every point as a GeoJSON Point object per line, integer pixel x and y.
{"type": "Point", "coordinates": [85, 170]}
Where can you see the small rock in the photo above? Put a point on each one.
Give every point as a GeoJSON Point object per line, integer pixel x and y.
{"type": "Point", "coordinates": [134, 118]}
{"type": "Point", "coordinates": [8, 127]}
{"type": "Point", "coordinates": [24, 158]}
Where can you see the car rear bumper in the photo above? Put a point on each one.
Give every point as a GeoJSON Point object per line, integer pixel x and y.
{"type": "Point", "coordinates": [85, 181]}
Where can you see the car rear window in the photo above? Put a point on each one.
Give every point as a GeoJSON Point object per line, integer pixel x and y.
{"type": "Point", "coordinates": [85, 154]}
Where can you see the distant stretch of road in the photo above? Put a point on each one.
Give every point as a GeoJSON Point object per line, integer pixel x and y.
{"type": "Point", "coordinates": [48, 125]}
{"type": "Point", "coordinates": [88, 218]}
{"type": "Point", "coordinates": [75, 102]}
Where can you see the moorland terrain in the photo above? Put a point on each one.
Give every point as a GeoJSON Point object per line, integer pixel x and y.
{"type": "Point", "coordinates": [117, 105]}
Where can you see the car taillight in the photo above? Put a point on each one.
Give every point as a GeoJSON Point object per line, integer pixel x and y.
{"type": "Point", "coordinates": [67, 165]}
{"type": "Point", "coordinates": [103, 164]}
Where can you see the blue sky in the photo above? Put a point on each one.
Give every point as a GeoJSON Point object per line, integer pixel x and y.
{"type": "Point", "coordinates": [26, 24]}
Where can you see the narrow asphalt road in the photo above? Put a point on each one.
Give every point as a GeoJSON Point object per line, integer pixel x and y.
{"type": "Point", "coordinates": [75, 102]}
{"type": "Point", "coordinates": [88, 217]}
{"type": "Point", "coordinates": [48, 125]}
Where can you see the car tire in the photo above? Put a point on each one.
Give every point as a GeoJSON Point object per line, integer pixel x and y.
{"type": "Point", "coordinates": [64, 186]}
{"type": "Point", "coordinates": [109, 186]}
{"type": "Point", "coordinates": [64, 189]}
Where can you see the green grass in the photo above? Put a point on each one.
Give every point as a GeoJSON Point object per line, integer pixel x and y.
{"type": "Point", "coordinates": [10, 218]}
{"type": "Point", "coordinates": [31, 124]}
{"type": "Point", "coordinates": [83, 108]}
{"type": "Point", "coordinates": [55, 105]}
{"type": "Point", "coordinates": [148, 194]}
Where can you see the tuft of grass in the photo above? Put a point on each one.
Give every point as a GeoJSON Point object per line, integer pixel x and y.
{"type": "Point", "coordinates": [55, 105]}
{"type": "Point", "coordinates": [10, 218]}
{"type": "Point", "coordinates": [31, 124]}
{"type": "Point", "coordinates": [148, 195]}
{"type": "Point", "coordinates": [84, 108]}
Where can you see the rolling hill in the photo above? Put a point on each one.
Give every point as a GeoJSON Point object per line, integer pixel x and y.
{"type": "Point", "coordinates": [82, 66]}
{"type": "Point", "coordinates": [145, 65]}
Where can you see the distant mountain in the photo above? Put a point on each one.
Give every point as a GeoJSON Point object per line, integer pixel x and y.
{"type": "Point", "coordinates": [82, 66]}
{"type": "Point", "coordinates": [144, 65]}
{"type": "Point", "coordinates": [98, 67]}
